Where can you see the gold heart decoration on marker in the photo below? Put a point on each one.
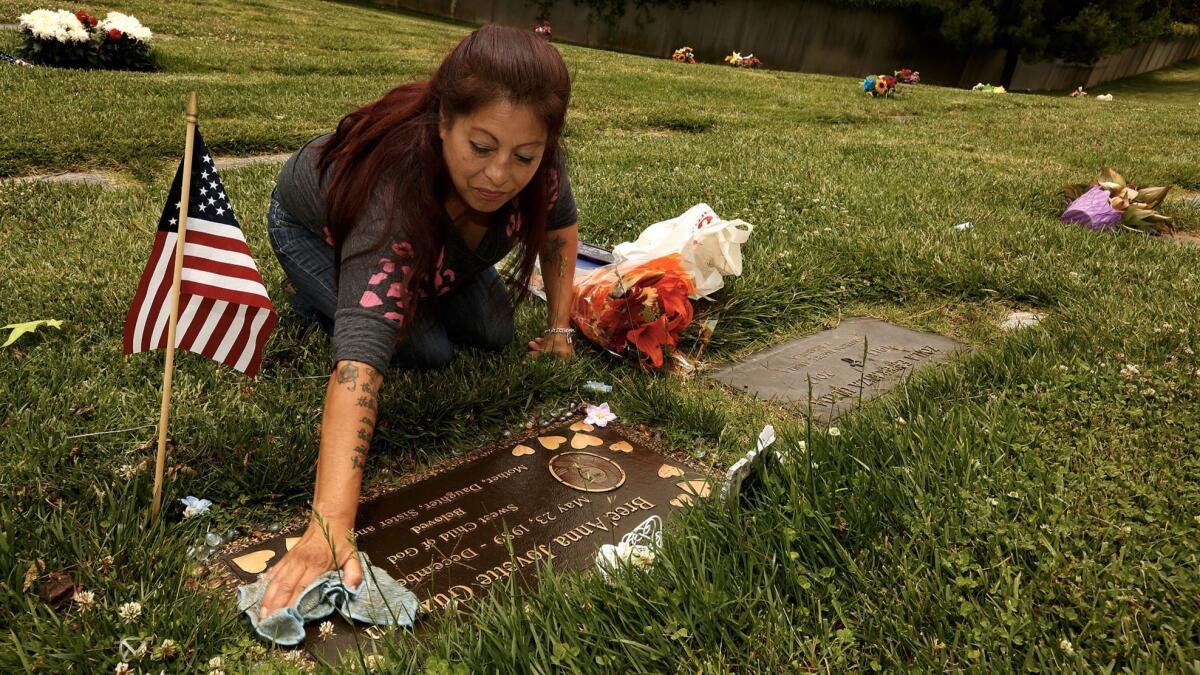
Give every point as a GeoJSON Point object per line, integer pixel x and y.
{"type": "Point", "coordinates": [581, 441]}
{"type": "Point", "coordinates": [522, 450]}
{"type": "Point", "coordinates": [582, 426]}
{"type": "Point", "coordinates": [290, 542]}
{"type": "Point", "coordinates": [681, 501]}
{"type": "Point", "coordinates": [699, 488]}
{"type": "Point", "coordinates": [623, 446]}
{"type": "Point", "coordinates": [253, 563]}
{"type": "Point", "coordinates": [668, 471]}
{"type": "Point", "coordinates": [551, 442]}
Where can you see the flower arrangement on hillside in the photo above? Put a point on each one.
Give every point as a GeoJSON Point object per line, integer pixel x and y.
{"type": "Point", "coordinates": [684, 55]}
{"type": "Point", "coordinates": [544, 30]}
{"type": "Point", "coordinates": [1079, 93]}
{"type": "Point", "coordinates": [57, 38]}
{"type": "Point", "coordinates": [879, 86]}
{"type": "Point", "coordinates": [738, 61]}
{"type": "Point", "coordinates": [1111, 202]}
{"type": "Point", "coordinates": [78, 40]}
{"type": "Point", "coordinates": [645, 307]}
{"type": "Point", "coordinates": [125, 43]}
{"type": "Point", "coordinates": [989, 89]}
{"type": "Point", "coordinates": [907, 76]}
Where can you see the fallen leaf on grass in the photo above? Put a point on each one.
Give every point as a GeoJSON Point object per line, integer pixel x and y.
{"type": "Point", "coordinates": [19, 329]}
{"type": "Point", "coordinates": [31, 574]}
{"type": "Point", "coordinates": [57, 589]}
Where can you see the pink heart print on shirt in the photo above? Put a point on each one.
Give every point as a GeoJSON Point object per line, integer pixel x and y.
{"type": "Point", "coordinates": [401, 251]}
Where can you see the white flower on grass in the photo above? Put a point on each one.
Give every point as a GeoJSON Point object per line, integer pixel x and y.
{"type": "Point", "coordinates": [127, 24]}
{"type": "Point", "coordinates": [1014, 494]}
{"type": "Point", "coordinates": [85, 599]}
{"type": "Point", "coordinates": [122, 668]}
{"type": "Point", "coordinates": [130, 611]}
{"type": "Point", "coordinates": [326, 630]}
{"type": "Point", "coordinates": [993, 501]}
{"type": "Point", "coordinates": [374, 662]}
{"type": "Point", "coordinates": [599, 415]}
{"type": "Point", "coordinates": [194, 507]}
{"type": "Point", "coordinates": [128, 471]}
{"type": "Point", "coordinates": [58, 25]}
{"type": "Point", "coordinates": [1129, 371]}
{"type": "Point", "coordinates": [835, 432]}
{"type": "Point", "coordinates": [166, 651]}
{"type": "Point", "coordinates": [1066, 646]}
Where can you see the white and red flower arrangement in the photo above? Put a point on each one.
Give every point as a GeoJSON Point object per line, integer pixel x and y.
{"type": "Point", "coordinates": [907, 76]}
{"type": "Point", "coordinates": [684, 55]}
{"type": "Point", "coordinates": [543, 30]}
{"type": "Point", "coordinates": [78, 40]}
{"type": "Point", "coordinates": [738, 61]}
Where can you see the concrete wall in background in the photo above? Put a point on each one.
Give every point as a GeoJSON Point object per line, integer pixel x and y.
{"type": "Point", "coordinates": [807, 36]}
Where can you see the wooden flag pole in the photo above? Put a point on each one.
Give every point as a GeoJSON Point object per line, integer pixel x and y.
{"type": "Point", "coordinates": [164, 414]}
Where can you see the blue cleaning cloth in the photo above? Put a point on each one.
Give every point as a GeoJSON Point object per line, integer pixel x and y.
{"type": "Point", "coordinates": [379, 599]}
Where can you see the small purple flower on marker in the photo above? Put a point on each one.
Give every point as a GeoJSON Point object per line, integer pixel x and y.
{"type": "Point", "coordinates": [599, 415]}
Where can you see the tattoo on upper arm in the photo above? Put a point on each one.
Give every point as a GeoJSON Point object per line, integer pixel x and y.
{"type": "Point", "coordinates": [348, 374]}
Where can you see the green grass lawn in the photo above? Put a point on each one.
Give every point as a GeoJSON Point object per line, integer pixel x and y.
{"type": "Point", "coordinates": [1027, 507]}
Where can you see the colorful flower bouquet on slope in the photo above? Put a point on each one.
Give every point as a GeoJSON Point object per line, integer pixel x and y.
{"type": "Point", "coordinates": [684, 55]}
{"type": "Point", "coordinates": [879, 86]}
{"type": "Point", "coordinates": [738, 61]}
{"type": "Point", "coordinates": [989, 89]}
{"type": "Point", "coordinates": [1111, 202]}
{"type": "Point", "coordinates": [643, 306]}
{"type": "Point", "coordinates": [907, 76]}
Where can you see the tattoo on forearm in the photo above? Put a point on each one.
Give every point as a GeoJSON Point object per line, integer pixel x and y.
{"type": "Point", "coordinates": [348, 375]}
{"type": "Point", "coordinates": [554, 255]}
{"type": "Point", "coordinates": [367, 402]}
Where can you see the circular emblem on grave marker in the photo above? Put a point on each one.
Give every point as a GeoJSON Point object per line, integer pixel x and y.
{"type": "Point", "coordinates": [587, 472]}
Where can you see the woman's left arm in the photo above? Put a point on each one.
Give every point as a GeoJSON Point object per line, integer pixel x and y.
{"type": "Point", "coordinates": [557, 259]}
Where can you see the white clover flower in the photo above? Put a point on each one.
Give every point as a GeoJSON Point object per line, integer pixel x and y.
{"type": "Point", "coordinates": [128, 25]}
{"type": "Point", "coordinates": [835, 432]}
{"type": "Point", "coordinates": [326, 630]}
{"type": "Point", "coordinates": [85, 599]}
{"type": "Point", "coordinates": [122, 668]}
{"type": "Point", "coordinates": [1066, 646]}
{"type": "Point", "coordinates": [130, 611]}
{"type": "Point", "coordinates": [374, 662]}
{"type": "Point", "coordinates": [1014, 494]}
{"type": "Point", "coordinates": [993, 501]}
{"type": "Point", "coordinates": [1129, 371]}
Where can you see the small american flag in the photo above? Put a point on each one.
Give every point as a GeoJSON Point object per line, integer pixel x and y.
{"type": "Point", "coordinates": [224, 311]}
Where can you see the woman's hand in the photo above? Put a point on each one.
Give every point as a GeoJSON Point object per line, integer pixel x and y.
{"type": "Point", "coordinates": [553, 344]}
{"type": "Point", "coordinates": [311, 557]}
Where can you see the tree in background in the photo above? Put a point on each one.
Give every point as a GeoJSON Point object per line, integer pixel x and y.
{"type": "Point", "coordinates": [1074, 30]}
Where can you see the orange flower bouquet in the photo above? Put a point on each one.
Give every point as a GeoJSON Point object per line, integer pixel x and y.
{"type": "Point", "coordinates": [645, 306]}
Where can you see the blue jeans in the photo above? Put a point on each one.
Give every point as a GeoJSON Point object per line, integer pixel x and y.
{"type": "Point", "coordinates": [478, 313]}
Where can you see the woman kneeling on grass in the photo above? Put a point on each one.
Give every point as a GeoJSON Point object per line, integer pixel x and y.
{"type": "Point", "coordinates": [390, 227]}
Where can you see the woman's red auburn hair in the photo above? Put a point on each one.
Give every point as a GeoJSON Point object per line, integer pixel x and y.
{"type": "Point", "coordinates": [388, 153]}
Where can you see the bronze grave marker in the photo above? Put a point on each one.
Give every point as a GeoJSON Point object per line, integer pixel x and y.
{"type": "Point", "coordinates": [555, 497]}
{"type": "Point", "coordinates": [834, 360]}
